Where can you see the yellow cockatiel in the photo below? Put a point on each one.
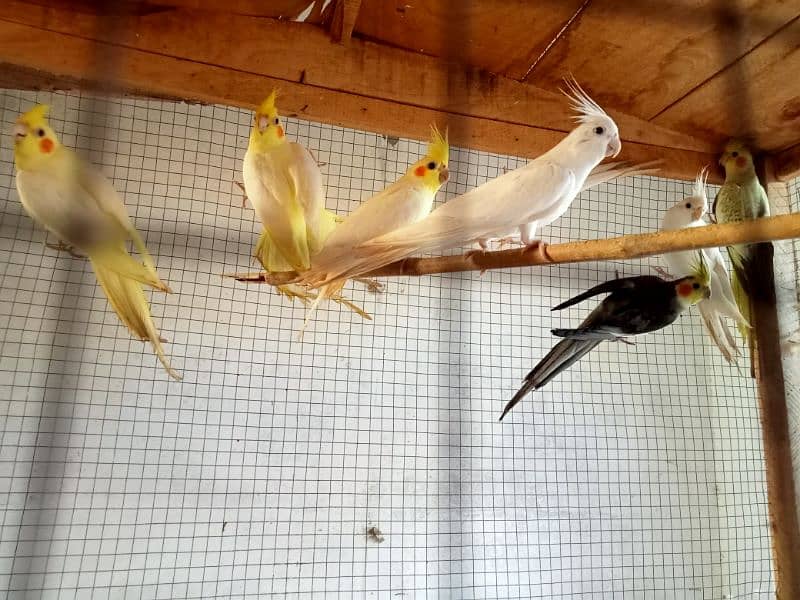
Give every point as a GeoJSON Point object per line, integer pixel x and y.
{"type": "Point", "coordinates": [284, 185]}
{"type": "Point", "coordinates": [74, 201]}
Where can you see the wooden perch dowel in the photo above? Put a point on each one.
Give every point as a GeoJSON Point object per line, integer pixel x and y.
{"type": "Point", "coordinates": [626, 246]}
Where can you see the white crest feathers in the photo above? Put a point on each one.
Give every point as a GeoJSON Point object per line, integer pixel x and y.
{"type": "Point", "coordinates": [699, 189]}
{"type": "Point", "coordinates": [581, 102]}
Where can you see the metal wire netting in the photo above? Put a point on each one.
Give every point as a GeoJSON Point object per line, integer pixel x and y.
{"type": "Point", "coordinates": [640, 470]}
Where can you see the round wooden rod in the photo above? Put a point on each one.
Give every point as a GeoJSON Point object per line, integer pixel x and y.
{"type": "Point", "coordinates": [618, 248]}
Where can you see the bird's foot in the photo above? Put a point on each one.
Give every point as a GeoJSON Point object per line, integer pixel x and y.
{"type": "Point", "coordinates": [244, 193]}
{"type": "Point", "coordinates": [539, 248]}
{"type": "Point", "coordinates": [509, 241]}
{"type": "Point", "coordinates": [373, 285]}
{"type": "Point", "coordinates": [292, 292]}
{"type": "Point", "coordinates": [471, 254]}
{"type": "Point", "coordinates": [64, 247]}
{"type": "Point", "coordinates": [663, 272]}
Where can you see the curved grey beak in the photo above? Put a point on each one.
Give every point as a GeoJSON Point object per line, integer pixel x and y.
{"type": "Point", "coordinates": [707, 295]}
{"type": "Point", "coordinates": [20, 131]}
{"type": "Point", "coordinates": [444, 174]}
{"type": "Point", "coordinates": [614, 146]}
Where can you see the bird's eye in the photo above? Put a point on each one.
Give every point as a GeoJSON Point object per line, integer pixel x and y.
{"type": "Point", "coordinates": [276, 120]}
{"type": "Point", "coordinates": [696, 286]}
{"type": "Point", "coordinates": [599, 130]}
{"type": "Point", "coordinates": [431, 166]}
{"type": "Point", "coordinates": [688, 205]}
{"type": "Point", "coordinates": [734, 154]}
{"type": "Point", "coordinates": [40, 132]}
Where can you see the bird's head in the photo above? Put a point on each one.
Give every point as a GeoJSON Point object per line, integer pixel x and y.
{"type": "Point", "coordinates": [737, 159]}
{"type": "Point", "coordinates": [35, 142]}
{"type": "Point", "coordinates": [691, 208]}
{"type": "Point", "coordinates": [267, 126]}
{"type": "Point", "coordinates": [694, 288]}
{"type": "Point", "coordinates": [432, 168]}
{"type": "Point", "coordinates": [596, 129]}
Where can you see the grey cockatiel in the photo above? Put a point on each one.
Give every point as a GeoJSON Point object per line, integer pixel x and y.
{"type": "Point", "coordinates": [635, 305]}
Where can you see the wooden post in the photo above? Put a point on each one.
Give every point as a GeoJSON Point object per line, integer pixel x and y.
{"type": "Point", "coordinates": [783, 515]}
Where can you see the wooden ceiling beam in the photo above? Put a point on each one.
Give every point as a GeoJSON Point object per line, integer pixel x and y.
{"type": "Point", "coordinates": [344, 19]}
{"type": "Point", "coordinates": [236, 60]}
{"type": "Point", "coordinates": [786, 164]}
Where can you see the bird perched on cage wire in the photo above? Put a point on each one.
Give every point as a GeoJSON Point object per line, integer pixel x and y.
{"type": "Point", "coordinates": [742, 198]}
{"type": "Point", "coordinates": [689, 213]}
{"type": "Point", "coordinates": [524, 199]}
{"type": "Point", "coordinates": [74, 201]}
{"type": "Point", "coordinates": [406, 201]}
{"type": "Point", "coordinates": [634, 306]}
{"type": "Point", "coordinates": [284, 185]}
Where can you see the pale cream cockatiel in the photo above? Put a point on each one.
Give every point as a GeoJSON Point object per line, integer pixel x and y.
{"type": "Point", "coordinates": [406, 201]}
{"type": "Point", "coordinates": [689, 213]}
{"type": "Point", "coordinates": [524, 199]}
{"type": "Point", "coordinates": [75, 202]}
{"type": "Point", "coordinates": [284, 184]}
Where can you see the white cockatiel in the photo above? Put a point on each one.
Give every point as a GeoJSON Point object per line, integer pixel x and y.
{"type": "Point", "coordinates": [525, 199]}
{"type": "Point", "coordinates": [406, 201]}
{"type": "Point", "coordinates": [689, 213]}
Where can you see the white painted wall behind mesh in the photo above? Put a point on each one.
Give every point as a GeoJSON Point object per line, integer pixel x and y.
{"type": "Point", "coordinates": [638, 471]}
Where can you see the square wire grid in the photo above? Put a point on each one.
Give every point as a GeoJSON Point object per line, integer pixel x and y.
{"type": "Point", "coordinates": [639, 472]}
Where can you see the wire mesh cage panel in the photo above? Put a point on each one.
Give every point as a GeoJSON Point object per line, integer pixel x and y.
{"type": "Point", "coordinates": [638, 471]}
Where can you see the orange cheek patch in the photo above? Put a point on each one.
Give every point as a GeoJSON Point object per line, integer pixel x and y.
{"type": "Point", "coordinates": [741, 161]}
{"type": "Point", "coordinates": [280, 132]}
{"type": "Point", "coordinates": [419, 171]}
{"type": "Point", "coordinates": [685, 289]}
{"type": "Point", "coordinates": [46, 145]}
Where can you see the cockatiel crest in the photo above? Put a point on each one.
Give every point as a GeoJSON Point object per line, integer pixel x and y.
{"type": "Point", "coordinates": [599, 124]}
{"type": "Point", "coordinates": [267, 127]}
{"type": "Point", "coordinates": [690, 209]}
{"type": "Point", "coordinates": [34, 139]}
{"type": "Point", "coordinates": [432, 168]}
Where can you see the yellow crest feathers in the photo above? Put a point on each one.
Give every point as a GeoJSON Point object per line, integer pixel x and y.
{"type": "Point", "coordinates": [438, 148]}
{"type": "Point", "coordinates": [267, 107]}
{"type": "Point", "coordinates": [36, 115]}
{"type": "Point", "coordinates": [700, 270]}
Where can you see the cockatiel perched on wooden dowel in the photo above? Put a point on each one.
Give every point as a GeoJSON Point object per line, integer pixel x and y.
{"type": "Point", "coordinates": [689, 213]}
{"type": "Point", "coordinates": [75, 201]}
{"type": "Point", "coordinates": [284, 184]}
{"type": "Point", "coordinates": [406, 201]}
{"type": "Point", "coordinates": [524, 199]}
{"type": "Point", "coordinates": [742, 198]}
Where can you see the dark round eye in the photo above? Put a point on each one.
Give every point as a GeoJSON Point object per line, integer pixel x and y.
{"type": "Point", "coordinates": [696, 286]}
{"type": "Point", "coordinates": [431, 166]}
{"type": "Point", "coordinates": [40, 132]}
{"type": "Point", "coordinates": [276, 120]}
{"type": "Point", "coordinates": [734, 154]}
{"type": "Point", "coordinates": [688, 205]}
{"type": "Point", "coordinates": [599, 130]}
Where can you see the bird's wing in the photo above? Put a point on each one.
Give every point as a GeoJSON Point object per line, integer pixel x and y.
{"type": "Point", "coordinates": [623, 283]}
{"type": "Point", "coordinates": [307, 183]}
{"type": "Point", "coordinates": [274, 198]}
{"type": "Point", "coordinates": [719, 333]}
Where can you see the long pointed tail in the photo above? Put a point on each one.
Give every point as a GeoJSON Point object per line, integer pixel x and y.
{"type": "Point", "coordinates": [127, 298]}
{"type": "Point", "coordinates": [718, 331]}
{"type": "Point", "coordinates": [566, 353]}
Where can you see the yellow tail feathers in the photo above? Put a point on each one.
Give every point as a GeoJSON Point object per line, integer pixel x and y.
{"type": "Point", "coordinates": [126, 296]}
{"type": "Point", "coordinates": [743, 302]}
{"type": "Point", "coordinates": [270, 256]}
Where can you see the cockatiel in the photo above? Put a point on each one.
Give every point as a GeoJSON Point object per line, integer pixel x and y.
{"type": "Point", "coordinates": [689, 213]}
{"type": "Point", "coordinates": [635, 305]}
{"type": "Point", "coordinates": [75, 202]}
{"type": "Point", "coordinates": [284, 185]}
{"type": "Point", "coordinates": [525, 199]}
{"type": "Point", "coordinates": [742, 198]}
{"type": "Point", "coordinates": [406, 201]}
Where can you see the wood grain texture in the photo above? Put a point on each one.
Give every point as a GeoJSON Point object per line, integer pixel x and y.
{"type": "Point", "coordinates": [639, 57]}
{"type": "Point", "coordinates": [786, 164]}
{"type": "Point", "coordinates": [276, 9]}
{"type": "Point", "coordinates": [757, 98]}
{"type": "Point", "coordinates": [624, 247]}
{"type": "Point", "coordinates": [500, 36]}
{"type": "Point", "coordinates": [344, 18]}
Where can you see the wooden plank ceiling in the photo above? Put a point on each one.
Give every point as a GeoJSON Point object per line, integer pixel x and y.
{"type": "Point", "coordinates": [679, 76]}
